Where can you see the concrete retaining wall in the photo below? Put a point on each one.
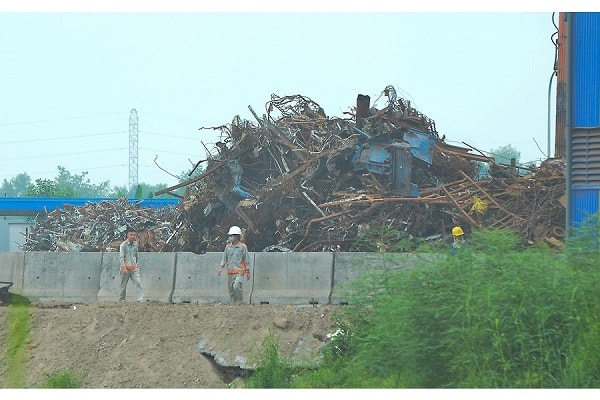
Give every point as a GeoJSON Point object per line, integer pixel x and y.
{"type": "Point", "coordinates": [292, 278]}
{"type": "Point", "coordinates": [61, 276]}
{"type": "Point", "coordinates": [157, 272]}
{"type": "Point", "coordinates": [197, 281]}
{"type": "Point", "coordinates": [11, 269]}
{"type": "Point", "coordinates": [276, 278]}
{"type": "Point", "coordinates": [351, 266]}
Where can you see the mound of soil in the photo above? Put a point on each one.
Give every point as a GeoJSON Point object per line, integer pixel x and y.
{"type": "Point", "coordinates": [162, 345]}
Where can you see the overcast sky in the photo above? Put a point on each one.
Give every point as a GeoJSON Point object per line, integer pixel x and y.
{"type": "Point", "coordinates": [71, 79]}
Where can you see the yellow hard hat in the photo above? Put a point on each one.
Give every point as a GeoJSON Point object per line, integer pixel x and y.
{"type": "Point", "coordinates": [457, 231]}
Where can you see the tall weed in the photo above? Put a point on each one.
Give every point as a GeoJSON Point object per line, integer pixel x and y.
{"type": "Point", "coordinates": [273, 370]}
{"type": "Point", "coordinates": [492, 315]}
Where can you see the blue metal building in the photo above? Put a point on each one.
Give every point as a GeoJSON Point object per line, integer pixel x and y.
{"type": "Point", "coordinates": [582, 116]}
{"type": "Point", "coordinates": [32, 206]}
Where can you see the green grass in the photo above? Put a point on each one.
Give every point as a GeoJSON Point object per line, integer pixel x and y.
{"type": "Point", "coordinates": [17, 340]}
{"type": "Point", "coordinates": [17, 350]}
{"type": "Point", "coordinates": [62, 380]}
{"type": "Point", "coordinates": [496, 314]}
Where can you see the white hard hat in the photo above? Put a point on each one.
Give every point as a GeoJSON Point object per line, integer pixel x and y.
{"type": "Point", "coordinates": [234, 230]}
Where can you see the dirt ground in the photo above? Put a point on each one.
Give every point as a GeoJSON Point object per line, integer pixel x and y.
{"type": "Point", "coordinates": [162, 345]}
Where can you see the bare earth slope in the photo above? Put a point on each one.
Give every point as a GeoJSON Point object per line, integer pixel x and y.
{"type": "Point", "coordinates": [160, 345]}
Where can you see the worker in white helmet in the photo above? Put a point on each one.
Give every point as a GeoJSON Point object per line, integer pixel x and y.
{"type": "Point", "coordinates": [235, 258]}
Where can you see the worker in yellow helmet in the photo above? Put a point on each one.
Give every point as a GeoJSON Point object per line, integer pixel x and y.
{"type": "Point", "coordinates": [458, 237]}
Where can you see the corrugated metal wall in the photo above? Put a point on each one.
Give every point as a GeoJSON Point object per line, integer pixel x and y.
{"type": "Point", "coordinates": [584, 116]}
{"type": "Point", "coordinates": [586, 70]}
{"type": "Point", "coordinates": [585, 201]}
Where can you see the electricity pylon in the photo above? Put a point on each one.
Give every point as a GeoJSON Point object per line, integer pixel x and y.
{"type": "Point", "coordinates": [133, 149]}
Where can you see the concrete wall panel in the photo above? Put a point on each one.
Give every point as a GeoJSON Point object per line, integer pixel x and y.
{"type": "Point", "coordinates": [350, 266]}
{"type": "Point", "coordinates": [157, 273]}
{"type": "Point", "coordinates": [196, 279]}
{"type": "Point", "coordinates": [11, 270]}
{"type": "Point", "coordinates": [61, 276]}
{"type": "Point", "coordinates": [110, 278]}
{"type": "Point", "coordinates": [292, 278]}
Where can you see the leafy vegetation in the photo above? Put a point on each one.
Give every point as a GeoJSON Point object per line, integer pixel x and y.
{"type": "Point", "coordinates": [66, 184]}
{"type": "Point", "coordinates": [504, 154]}
{"type": "Point", "coordinates": [495, 314]}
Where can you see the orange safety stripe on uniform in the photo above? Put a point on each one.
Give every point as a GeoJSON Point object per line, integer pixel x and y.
{"type": "Point", "coordinates": [244, 269]}
{"type": "Point", "coordinates": [237, 271]}
{"type": "Point", "coordinates": [129, 267]}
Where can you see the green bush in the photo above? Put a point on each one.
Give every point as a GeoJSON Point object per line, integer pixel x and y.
{"type": "Point", "coordinates": [494, 314]}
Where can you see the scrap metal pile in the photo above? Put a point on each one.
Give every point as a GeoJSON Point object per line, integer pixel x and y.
{"type": "Point", "coordinates": [101, 227]}
{"type": "Point", "coordinates": [297, 180]}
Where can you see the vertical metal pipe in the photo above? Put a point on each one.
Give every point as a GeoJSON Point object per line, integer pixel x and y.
{"type": "Point", "coordinates": [569, 123]}
{"type": "Point", "coordinates": [561, 89]}
{"type": "Point", "coordinates": [549, 113]}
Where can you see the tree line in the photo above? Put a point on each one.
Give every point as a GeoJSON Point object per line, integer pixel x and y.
{"type": "Point", "coordinates": [66, 184]}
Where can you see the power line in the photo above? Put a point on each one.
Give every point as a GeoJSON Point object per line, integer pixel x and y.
{"type": "Point", "coordinates": [42, 121]}
{"type": "Point", "coordinates": [103, 167]}
{"type": "Point", "coordinates": [54, 155]}
{"type": "Point", "coordinates": [168, 135]}
{"type": "Point", "coordinates": [162, 151]}
{"type": "Point", "coordinates": [54, 138]}
{"type": "Point", "coordinates": [168, 116]}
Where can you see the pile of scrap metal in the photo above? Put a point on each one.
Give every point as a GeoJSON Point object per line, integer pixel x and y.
{"type": "Point", "coordinates": [297, 180]}
{"type": "Point", "coordinates": [101, 226]}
